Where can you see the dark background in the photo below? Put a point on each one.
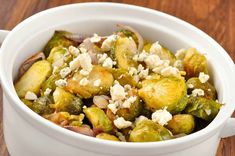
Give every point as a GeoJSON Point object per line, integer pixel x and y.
{"type": "Point", "coordinates": [215, 17]}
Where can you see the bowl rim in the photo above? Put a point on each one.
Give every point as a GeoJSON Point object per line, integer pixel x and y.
{"type": "Point", "coordinates": [205, 133]}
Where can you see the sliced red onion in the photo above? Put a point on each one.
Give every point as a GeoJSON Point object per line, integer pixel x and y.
{"type": "Point", "coordinates": [76, 37]}
{"type": "Point", "coordinates": [84, 129]}
{"type": "Point", "coordinates": [101, 101]}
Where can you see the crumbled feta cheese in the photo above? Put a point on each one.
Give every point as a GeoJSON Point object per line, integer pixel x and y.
{"type": "Point", "coordinates": [141, 57]}
{"type": "Point", "coordinates": [203, 77]}
{"type": "Point", "coordinates": [74, 64]}
{"type": "Point", "coordinates": [83, 50]}
{"type": "Point", "coordinates": [84, 107]}
{"type": "Point", "coordinates": [161, 65]}
{"type": "Point", "coordinates": [180, 54]}
{"type": "Point", "coordinates": [65, 71]}
{"type": "Point", "coordinates": [108, 63]}
{"type": "Point", "coordinates": [61, 83]}
{"type": "Point", "coordinates": [121, 123]}
{"type": "Point", "coordinates": [113, 107]}
{"type": "Point", "coordinates": [127, 103]}
{"type": "Point", "coordinates": [59, 62]}
{"type": "Point", "coordinates": [101, 57]}
{"type": "Point", "coordinates": [161, 116]}
{"type": "Point", "coordinates": [120, 136]}
{"type": "Point", "coordinates": [84, 82]}
{"type": "Point", "coordinates": [156, 48]}
{"type": "Point", "coordinates": [95, 38]}
{"type": "Point", "coordinates": [74, 51]}
{"type": "Point", "coordinates": [140, 119]}
{"type": "Point", "coordinates": [47, 91]}
{"type": "Point", "coordinates": [117, 92]}
{"type": "Point", "coordinates": [178, 64]}
{"type": "Point", "coordinates": [85, 61]}
{"type": "Point", "coordinates": [84, 72]}
{"type": "Point", "coordinates": [208, 111]}
{"type": "Point", "coordinates": [170, 71]}
{"type": "Point", "coordinates": [198, 92]}
{"type": "Point", "coordinates": [127, 87]}
{"type": "Point", "coordinates": [152, 61]}
{"type": "Point", "coordinates": [190, 85]}
{"type": "Point", "coordinates": [133, 71]}
{"type": "Point", "coordinates": [97, 83]}
{"type": "Point", "coordinates": [30, 96]}
{"type": "Point", "coordinates": [109, 43]}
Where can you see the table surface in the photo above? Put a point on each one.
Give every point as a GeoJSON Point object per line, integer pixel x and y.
{"type": "Point", "coordinates": [215, 17]}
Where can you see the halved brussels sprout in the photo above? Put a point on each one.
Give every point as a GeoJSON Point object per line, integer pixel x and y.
{"type": "Point", "coordinates": [181, 124]}
{"type": "Point", "coordinates": [194, 63]}
{"type": "Point", "coordinates": [98, 119]}
{"type": "Point", "coordinates": [149, 131]}
{"type": "Point", "coordinates": [202, 108]}
{"type": "Point", "coordinates": [89, 90]}
{"type": "Point", "coordinates": [125, 50]}
{"type": "Point", "coordinates": [50, 82]}
{"type": "Point", "coordinates": [33, 78]}
{"type": "Point", "coordinates": [107, 136]}
{"type": "Point", "coordinates": [167, 92]}
{"type": "Point", "coordinates": [57, 54]}
{"type": "Point", "coordinates": [209, 90]}
{"type": "Point", "coordinates": [58, 39]}
{"type": "Point", "coordinates": [66, 102]}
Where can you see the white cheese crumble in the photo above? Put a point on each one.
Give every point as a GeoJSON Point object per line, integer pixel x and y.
{"type": "Point", "coordinates": [113, 107]}
{"type": "Point", "coordinates": [121, 123]}
{"type": "Point", "coordinates": [170, 71]}
{"type": "Point", "coordinates": [140, 57]}
{"type": "Point", "coordinates": [95, 38]}
{"type": "Point", "coordinates": [208, 111]}
{"type": "Point", "coordinates": [140, 119]}
{"type": "Point", "coordinates": [180, 54]}
{"type": "Point", "coordinates": [97, 82]}
{"type": "Point", "coordinates": [30, 96]}
{"type": "Point", "coordinates": [161, 65]}
{"type": "Point", "coordinates": [156, 48]}
{"type": "Point", "coordinates": [58, 63]}
{"type": "Point", "coordinates": [84, 82]}
{"type": "Point", "coordinates": [74, 51]}
{"type": "Point", "coordinates": [161, 116]}
{"type": "Point", "coordinates": [178, 64]}
{"type": "Point", "coordinates": [198, 92]}
{"type": "Point", "coordinates": [65, 71]}
{"type": "Point", "coordinates": [127, 103]}
{"type": "Point", "coordinates": [47, 91]}
{"type": "Point", "coordinates": [101, 57]}
{"type": "Point", "coordinates": [108, 63]}
{"type": "Point", "coordinates": [84, 72]}
{"type": "Point", "coordinates": [85, 61]}
{"type": "Point", "coordinates": [74, 64]}
{"type": "Point", "coordinates": [190, 85]}
{"type": "Point", "coordinates": [120, 136]}
{"type": "Point", "coordinates": [117, 92]}
{"type": "Point", "coordinates": [109, 43]}
{"type": "Point", "coordinates": [61, 83]}
{"type": "Point", "coordinates": [83, 50]}
{"type": "Point", "coordinates": [152, 61]}
{"type": "Point", "coordinates": [203, 77]}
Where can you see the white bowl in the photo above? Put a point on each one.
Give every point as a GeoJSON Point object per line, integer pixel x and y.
{"type": "Point", "coordinates": [27, 134]}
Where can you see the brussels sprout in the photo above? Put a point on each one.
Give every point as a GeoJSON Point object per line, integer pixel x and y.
{"type": "Point", "coordinates": [64, 119]}
{"type": "Point", "coordinates": [167, 92]}
{"type": "Point", "coordinates": [194, 63]}
{"type": "Point", "coordinates": [107, 136]}
{"type": "Point", "coordinates": [66, 102]}
{"type": "Point", "coordinates": [202, 108]}
{"type": "Point", "coordinates": [125, 50]}
{"type": "Point", "coordinates": [134, 110]}
{"type": "Point", "coordinates": [58, 39]}
{"type": "Point", "coordinates": [166, 54]}
{"type": "Point", "coordinates": [127, 33]}
{"type": "Point", "coordinates": [50, 82]}
{"type": "Point", "coordinates": [209, 90]}
{"type": "Point", "coordinates": [149, 131]}
{"type": "Point", "coordinates": [89, 90]}
{"type": "Point", "coordinates": [57, 54]}
{"type": "Point", "coordinates": [33, 78]}
{"type": "Point", "coordinates": [181, 123]}
{"type": "Point", "coordinates": [147, 46]}
{"type": "Point", "coordinates": [98, 119]}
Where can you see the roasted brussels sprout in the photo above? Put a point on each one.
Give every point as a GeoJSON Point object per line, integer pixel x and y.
{"type": "Point", "coordinates": [149, 131]}
{"type": "Point", "coordinates": [58, 39]}
{"type": "Point", "coordinates": [33, 78]}
{"type": "Point", "coordinates": [181, 124]}
{"type": "Point", "coordinates": [147, 46]}
{"type": "Point", "coordinates": [50, 82]}
{"type": "Point", "coordinates": [98, 119]}
{"type": "Point", "coordinates": [107, 136]}
{"type": "Point", "coordinates": [89, 90]}
{"type": "Point", "coordinates": [194, 63]}
{"type": "Point", "coordinates": [202, 108]}
{"type": "Point", "coordinates": [125, 50]}
{"type": "Point", "coordinates": [166, 54]}
{"type": "Point", "coordinates": [167, 92]}
{"type": "Point", "coordinates": [66, 102]}
{"type": "Point", "coordinates": [209, 90]}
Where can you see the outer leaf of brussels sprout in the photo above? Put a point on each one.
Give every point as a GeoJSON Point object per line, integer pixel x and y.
{"type": "Point", "coordinates": [98, 118]}
{"type": "Point", "coordinates": [166, 54]}
{"type": "Point", "coordinates": [66, 102]}
{"type": "Point", "coordinates": [194, 63]}
{"type": "Point", "coordinates": [58, 39]}
{"type": "Point", "coordinates": [167, 92]}
{"type": "Point", "coordinates": [33, 78]}
{"type": "Point", "coordinates": [209, 90]}
{"type": "Point", "coordinates": [50, 82]}
{"type": "Point", "coordinates": [181, 124]}
{"type": "Point", "coordinates": [202, 108]}
{"type": "Point", "coordinates": [107, 136]}
{"type": "Point", "coordinates": [90, 90]}
{"type": "Point", "coordinates": [148, 131]}
{"type": "Point", "coordinates": [147, 46]}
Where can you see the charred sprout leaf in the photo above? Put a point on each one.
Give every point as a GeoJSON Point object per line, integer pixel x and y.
{"type": "Point", "coordinates": [167, 92]}
{"type": "Point", "coordinates": [149, 131]}
{"type": "Point", "coordinates": [181, 124]}
{"type": "Point", "coordinates": [98, 119]}
{"type": "Point", "coordinates": [209, 90]}
{"type": "Point", "coordinates": [125, 50]}
{"type": "Point", "coordinates": [66, 102]}
{"type": "Point", "coordinates": [33, 78]}
{"type": "Point", "coordinates": [194, 63]}
{"type": "Point", "coordinates": [107, 136]}
{"type": "Point", "coordinates": [202, 108]}
{"type": "Point", "coordinates": [59, 39]}
{"type": "Point", "coordinates": [89, 90]}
